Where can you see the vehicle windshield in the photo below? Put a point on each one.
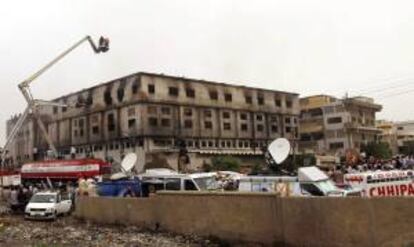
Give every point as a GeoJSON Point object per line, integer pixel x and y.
{"type": "Point", "coordinates": [326, 185]}
{"type": "Point", "coordinates": [207, 183]}
{"type": "Point", "coordinates": [42, 198]}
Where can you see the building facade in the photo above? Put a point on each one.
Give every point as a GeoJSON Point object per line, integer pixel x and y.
{"type": "Point", "coordinates": [398, 135]}
{"type": "Point", "coordinates": [159, 117]}
{"type": "Point", "coordinates": [312, 127]}
{"type": "Point", "coordinates": [389, 135]}
{"type": "Point", "coordinates": [404, 133]}
{"type": "Point", "coordinates": [329, 125]}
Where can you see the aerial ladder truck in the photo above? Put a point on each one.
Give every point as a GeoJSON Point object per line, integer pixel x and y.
{"type": "Point", "coordinates": [33, 104]}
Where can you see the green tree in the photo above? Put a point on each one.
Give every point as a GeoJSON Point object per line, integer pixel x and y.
{"type": "Point", "coordinates": [305, 160]}
{"type": "Point", "coordinates": [407, 148]}
{"type": "Point", "coordinates": [257, 168]}
{"type": "Point", "coordinates": [379, 150]}
{"type": "Point", "coordinates": [225, 163]}
{"type": "Point", "coordinates": [207, 167]}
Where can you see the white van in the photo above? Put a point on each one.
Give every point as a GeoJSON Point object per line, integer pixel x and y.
{"type": "Point", "coordinates": [311, 181]}
{"type": "Point", "coordinates": [382, 183]}
{"type": "Point", "coordinates": [315, 182]}
{"type": "Point", "coordinates": [168, 180]}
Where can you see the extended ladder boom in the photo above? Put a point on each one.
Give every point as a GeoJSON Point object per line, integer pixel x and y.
{"type": "Point", "coordinates": [33, 104]}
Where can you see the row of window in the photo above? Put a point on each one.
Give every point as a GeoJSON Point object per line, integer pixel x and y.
{"type": "Point", "coordinates": [166, 122]}
{"type": "Point", "coordinates": [172, 91]}
{"type": "Point", "coordinates": [188, 112]}
{"type": "Point", "coordinates": [367, 122]}
{"type": "Point", "coordinates": [208, 125]}
{"type": "Point", "coordinates": [363, 121]}
{"type": "Point", "coordinates": [188, 124]}
{"type": "Point", "coordinates": [334, 120]}
{"type": "Point", "coordinates": [169, 143]}
{"type": "Point", "coordinates": [79, 124]}
{"type": "Point", "coordinates": [336, 145]}
{"type": "Point", "coordinates": [109, 147]}
{"type": "Point", "coordinates": [212, 143]}
{"type": "Point", "coordinates": [225, 144]}
{"type": "Point", "coordinates": [214, 95]}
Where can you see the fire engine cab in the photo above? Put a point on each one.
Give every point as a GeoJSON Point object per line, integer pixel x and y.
{"type": "Point", "coordinates": [382, 183]}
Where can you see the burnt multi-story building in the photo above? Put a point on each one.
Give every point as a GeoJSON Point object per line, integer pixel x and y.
{"type": "Point", "coordinates": [160, 117]}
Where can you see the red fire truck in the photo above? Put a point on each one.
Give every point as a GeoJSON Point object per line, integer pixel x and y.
{"type": "Point", "coordinates": [61, 170]}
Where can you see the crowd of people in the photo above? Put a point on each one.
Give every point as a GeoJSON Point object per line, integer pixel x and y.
{"type": "Point", "coordinates": [371, 164]}
{"type": "Point", "coordinates": [17, 197]}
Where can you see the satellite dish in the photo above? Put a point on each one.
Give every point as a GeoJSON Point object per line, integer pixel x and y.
{"type": "Point", "coordinates": [129, 162]}
{"type": "Point", "coordinates": [279, 149]}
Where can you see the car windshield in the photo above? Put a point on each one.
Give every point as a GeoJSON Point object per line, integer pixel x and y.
{"type": "Point", "coordinates": [326, 185]}
{"type": "Point", "coordinates": [207, 183]}
{"type": "Point", "coordinates": [42, 198]}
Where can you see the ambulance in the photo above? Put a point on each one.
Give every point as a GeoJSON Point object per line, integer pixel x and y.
{"type": "Point", "coordinates": [382, 183]}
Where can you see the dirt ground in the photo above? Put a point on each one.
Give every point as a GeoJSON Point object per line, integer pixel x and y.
{"type": "Point", "coordinates": [68, 231]}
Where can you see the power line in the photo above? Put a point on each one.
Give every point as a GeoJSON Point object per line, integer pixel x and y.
{"type": "Point", "coordinates": [397, 94]}
{"type": "Point", "coordinates": [385, 87]}
{"type": "Point", "coordinates": [382, 90]}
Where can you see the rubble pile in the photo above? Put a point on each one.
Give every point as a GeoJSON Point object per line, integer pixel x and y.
{"type": "Point", "coordinates": [14, 231]}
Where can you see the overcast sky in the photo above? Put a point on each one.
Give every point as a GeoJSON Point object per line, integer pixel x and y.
{"type": "Point", "coordinates": [303, 46]}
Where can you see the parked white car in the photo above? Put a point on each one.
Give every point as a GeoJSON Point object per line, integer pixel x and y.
{"type": "Point", "coordinates": [47, 205]}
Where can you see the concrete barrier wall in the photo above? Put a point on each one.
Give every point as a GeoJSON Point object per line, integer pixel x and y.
{"type": "Point", "coordinates": [264, 218]}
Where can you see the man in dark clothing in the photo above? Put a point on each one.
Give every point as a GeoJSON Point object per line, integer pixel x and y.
{"type": "Point", "coordinates": [21, 198]}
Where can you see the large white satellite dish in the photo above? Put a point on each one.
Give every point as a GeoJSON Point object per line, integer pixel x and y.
{"type": "Point", "coordinates": [279, 149]}
{"type": "Point", "coordinates": [129, 162]}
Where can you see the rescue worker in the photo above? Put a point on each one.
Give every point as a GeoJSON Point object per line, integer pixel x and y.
{"type": "Point", "coordinates": [91, 189]}
{"type": "Point", "coordinates": [21, 198]}
{"type": "Point", "coordinates": [70, 189]}
{"type": "Point", "coordinates": [35, 189]}
{"type": "Point", "coordinates": [27, 195]}
{"type": "Point", "coordinates": [83, 187]}
{"type": "Point", "coordinates": [6, 194]}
